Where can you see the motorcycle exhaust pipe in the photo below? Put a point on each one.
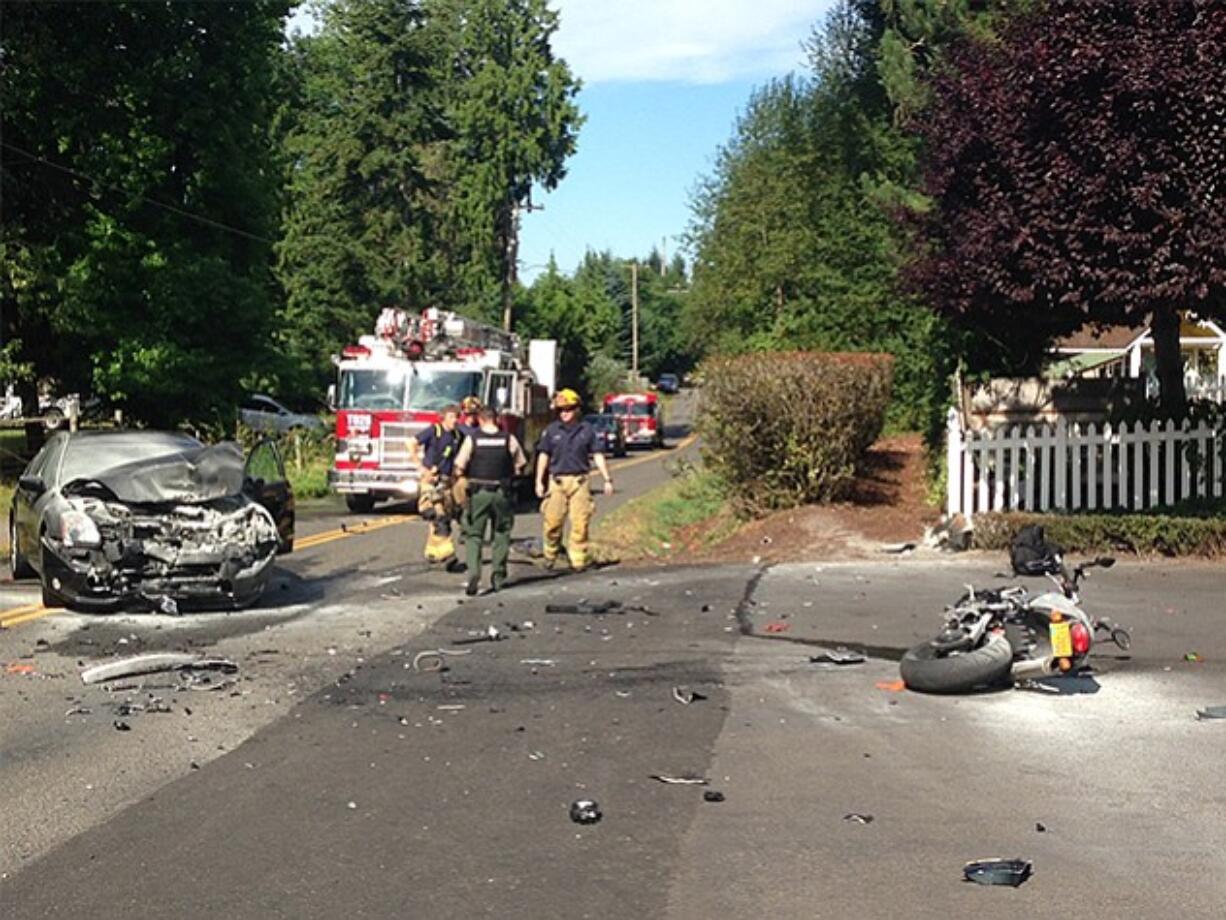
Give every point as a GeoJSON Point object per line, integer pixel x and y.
{"type": "Point", "coordinates": [1033, 668]}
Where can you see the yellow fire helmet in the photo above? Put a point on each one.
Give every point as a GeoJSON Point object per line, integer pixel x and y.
{"type": "Point", "coordinates": [566, 399]}
{"type": "Point", "coordinates": [470, 404]}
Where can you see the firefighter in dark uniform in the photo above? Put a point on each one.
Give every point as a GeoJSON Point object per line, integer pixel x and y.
{"type": "Point", "coordinates": [489, 461]}
{"type": "Point", "coordinates": [565, 455]}
{"type": "Point", "coordinates": [434, 451]}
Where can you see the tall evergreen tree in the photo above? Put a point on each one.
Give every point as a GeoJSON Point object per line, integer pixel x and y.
{"type": "Point", "coordinates": [139, 197]}
{"type": "Point", "coordinates": [361, 130]}
{"type": "Point", "coordinates": [513, 121]}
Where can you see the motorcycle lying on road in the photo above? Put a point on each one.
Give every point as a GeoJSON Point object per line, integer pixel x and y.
{"type": "Point", "coordinates": [1002, 635]}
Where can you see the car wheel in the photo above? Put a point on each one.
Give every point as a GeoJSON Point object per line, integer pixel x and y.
{"type": "Point", "coordinates": [53, 419]}
{"type": "Point", "coordinates": [360, 504]}
{"type": "Point", "coordinates": [18, 564]}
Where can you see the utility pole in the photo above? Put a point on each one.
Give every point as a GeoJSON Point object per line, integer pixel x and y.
{"type": "Point", "coordinates": [511, 272]}
{"type": "Point", "coordinates": [634, 318]}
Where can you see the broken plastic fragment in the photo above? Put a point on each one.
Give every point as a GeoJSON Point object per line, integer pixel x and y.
{"type": "Point", "coordinates": [680, 780]}
{"type": "Point", "coordinates": [1192, 656]}
{"type": "Point", "coordinates": [1010, 872]}
{"type": "Point", "coordinates": [840, 655]}
{"type": "Point", "coordinates": [777, 627]}
{"type": "Point", "coordinates": [152, 663]}
{"type": "Point", "coordinates": [712, 795]}
{"type": "Point", "coordinates": [856, 818]}
{"type": "Point", "coordinates": [585, 811]}
{"type": "Point", "coordinates": [1211, 712]}
{"type": "Point", "coordinates": [685, 696]}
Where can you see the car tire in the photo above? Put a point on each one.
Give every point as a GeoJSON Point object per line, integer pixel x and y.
{"type": "Point", "coordinates": [360, 504]}
{"type": "Point", "coordinates": [987, 666]}
{"type": "Point", "coordinates": [53, 419]}
{"type": "Point", "coordinates": [18, 564]}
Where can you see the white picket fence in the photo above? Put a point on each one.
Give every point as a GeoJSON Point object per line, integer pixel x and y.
{"type": "Point", "coordinates": [1066, 467]}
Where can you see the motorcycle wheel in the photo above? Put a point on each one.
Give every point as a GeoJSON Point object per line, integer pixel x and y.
{"type": "Point", "coordinates": [989, 665]}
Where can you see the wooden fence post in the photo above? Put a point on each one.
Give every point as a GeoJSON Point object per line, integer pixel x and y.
{"type": "Point", "coordinates": [954, 447]}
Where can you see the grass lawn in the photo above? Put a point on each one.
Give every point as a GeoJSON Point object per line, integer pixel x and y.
{"type": "Point", "coordinates": [688, 513]}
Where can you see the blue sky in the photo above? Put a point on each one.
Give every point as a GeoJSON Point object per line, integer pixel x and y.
{"type": "Point", "coordinates": [663, 83]}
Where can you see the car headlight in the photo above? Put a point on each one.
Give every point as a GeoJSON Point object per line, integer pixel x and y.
{"type": "Point", "coordinates": [78, 529]}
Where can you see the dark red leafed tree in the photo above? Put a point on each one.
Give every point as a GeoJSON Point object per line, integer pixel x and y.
{"type": "Point", "coordinates": [1077, 169]}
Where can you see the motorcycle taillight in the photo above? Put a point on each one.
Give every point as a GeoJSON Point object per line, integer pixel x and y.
{"type": "Point", "coordinates": [1081, 638]}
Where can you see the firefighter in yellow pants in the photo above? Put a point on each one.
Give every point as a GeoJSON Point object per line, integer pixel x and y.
{"type": "Point", "coordinates": [565, 456]}
{"type": "Point", "coordinates": [435, 450]}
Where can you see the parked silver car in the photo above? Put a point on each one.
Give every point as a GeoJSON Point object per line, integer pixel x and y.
{"type": "Point", "coordinates": [263, 413]}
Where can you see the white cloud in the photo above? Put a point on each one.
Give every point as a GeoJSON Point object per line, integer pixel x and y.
{"type": "Point", "coordinates": [694, 41]}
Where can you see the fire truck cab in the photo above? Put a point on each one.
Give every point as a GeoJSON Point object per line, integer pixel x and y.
{"type": "Point", "coordinates": [393, 384]}
{"type": "Point", "coordinates": [641, 417]}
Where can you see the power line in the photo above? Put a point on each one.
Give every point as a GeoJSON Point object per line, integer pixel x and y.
{"type": "Point", "coordinates": [167, 207]}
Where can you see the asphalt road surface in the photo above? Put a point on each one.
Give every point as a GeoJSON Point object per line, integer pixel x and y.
{"type": "Point", "coordinates": [334, 779]}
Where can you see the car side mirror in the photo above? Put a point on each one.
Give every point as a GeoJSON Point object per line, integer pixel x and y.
{"type": "Point", "coordinates": [332, 396]}
{"type": "Point", "coordinates": [32, 484]}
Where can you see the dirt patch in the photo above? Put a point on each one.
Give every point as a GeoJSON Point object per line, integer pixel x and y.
{"type": "Point", "coordinates": [888, 505]}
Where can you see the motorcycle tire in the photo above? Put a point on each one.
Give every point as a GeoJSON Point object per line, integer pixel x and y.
{"type": "Point", "coordinates": [989, 665]}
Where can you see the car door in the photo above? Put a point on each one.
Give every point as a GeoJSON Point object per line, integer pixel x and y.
{"type": "Point", "coordinates": [26, 504]}
{"type": "Point", "coordinates": [265, 482]}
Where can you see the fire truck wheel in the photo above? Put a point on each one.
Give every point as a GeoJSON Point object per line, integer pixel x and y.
{"type": "Point", "coordinates": [360, 504]}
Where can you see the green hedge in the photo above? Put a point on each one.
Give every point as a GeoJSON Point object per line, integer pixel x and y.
{"type": "Point", "coordinates": [1144, 534]}
{"type": "Point", "coordinates": [789, 428]}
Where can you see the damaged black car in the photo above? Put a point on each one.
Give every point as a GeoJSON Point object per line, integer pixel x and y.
{"type": "Point", "coordinates": [109, 519]}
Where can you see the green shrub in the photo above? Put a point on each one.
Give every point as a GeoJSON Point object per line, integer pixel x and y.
{"type": "Point", "coordinates": [788, 428]}
{"type": "Point", "coordinates": [1144, 534]}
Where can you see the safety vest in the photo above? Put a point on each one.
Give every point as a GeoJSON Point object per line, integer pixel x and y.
{"type": "Point", "coordinates": [491, 462]}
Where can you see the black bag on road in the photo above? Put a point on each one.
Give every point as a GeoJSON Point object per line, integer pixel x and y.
{"type": "Point", "coordinates": [1031, 554]}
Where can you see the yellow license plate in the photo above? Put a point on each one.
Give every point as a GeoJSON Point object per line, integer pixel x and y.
{"type": "Point", "coordinates": [1061, 640]}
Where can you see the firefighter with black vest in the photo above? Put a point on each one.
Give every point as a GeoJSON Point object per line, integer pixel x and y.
{"type": "Point", "coordinates": [489, 461]}
{"type": "Point", "coordinates": [435, 450]}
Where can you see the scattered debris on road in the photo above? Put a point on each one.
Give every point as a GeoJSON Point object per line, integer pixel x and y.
{"type": "Point", "coordinates": [1211, 712]}
{"type": "Point", "coordinates": [778, 626]}
{"type": "Point", "coordinates": [19, 667]}
{"type": "Point", "coordinates": [1040, 827]}
{"type": "Point", "coordinates": [153, 663]}
{"type": "Point", "coordinates": [840, 656]}
{"type": "Point", "coordinates": [121, 726]}
{"type": "Point", "coordinates": [595, 608]}
{"type": "Point", "coordinates": [685, 696]}
{"type": "Point", "coordinates": [1011, 872]}
{"type": "Point", "coordinates": [432, 659]}
{"type": "Point", "coordinates": [1193, 657]}
{"type": "Point", "coordinates": [491, 634]}
{"type": "Point", "coordinates": [857, 818]}
{"type": "Point", "coordinates": [687, 780]}
{"type": "Point", "coordinates": [892, 686]}
{"type": "Point", "coordinates": [585, 811]}
{"type": "Point", "coordinates": [898, 549]}
{"type": "Point", "coordinates": [712, 795]}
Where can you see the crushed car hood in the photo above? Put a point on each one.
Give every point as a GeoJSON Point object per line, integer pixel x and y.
{"type": "Point", "coordinates": [199, 475]}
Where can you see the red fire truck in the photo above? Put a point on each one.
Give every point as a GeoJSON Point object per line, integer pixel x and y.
{"type": "Point", "coordinates": [393, 383]}
{"type": "Point", "coordinates": [641, 417]}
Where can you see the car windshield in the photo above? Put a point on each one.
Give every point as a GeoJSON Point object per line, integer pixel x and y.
{"type": "Point", "coordinates": [431, 389]}
{"type": "Point", "coordinates": [635, 409]}
{"type": "Point", "coordinates": [601, 422]}
{"type": "Point", "coordinates": [668, 379]}
{"type": "Point", "coordinates": [372, 389]}
{"type": "Point", "coordinates": [86, 457]}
